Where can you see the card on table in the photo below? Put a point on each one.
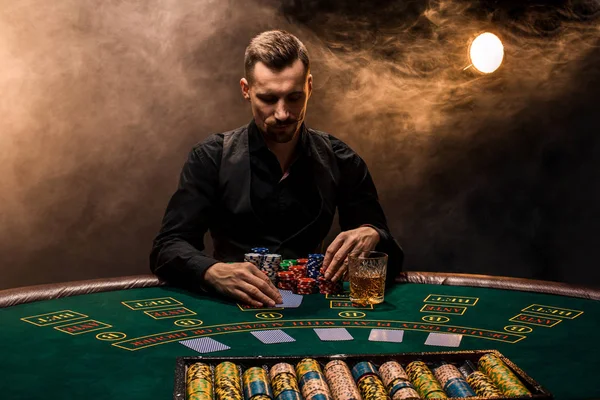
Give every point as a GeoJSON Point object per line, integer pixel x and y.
{"type": "Point", "coordinates": [443, 339]}
{"type": "Point", "coordinates": [204, 345]}
{"type": "Point", "coordinates": [333, 334]}
{"type": "Point", "coordinates": [290, 300]}
{"type": "Point", "coordinates": [386, 335]}
{"type": "Point", "coordinates": [273, 336]}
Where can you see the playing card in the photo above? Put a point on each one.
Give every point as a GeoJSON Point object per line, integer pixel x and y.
{"type": "Point", "coordinates": [333, 334]}
{"type": "Point", "coordinates": [443, 339]}
{"type": "Point", "coordinates": [204, 345]}
{"type": "Point", "coordinates": [386, 335]}
{"type": "Point", "coordinates": [273, 336]}
{"type": "Point", "coordinates": [290, 300]}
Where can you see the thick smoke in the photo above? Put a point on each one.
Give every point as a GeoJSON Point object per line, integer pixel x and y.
{"type": "Point", "coordinates": [102, 100]}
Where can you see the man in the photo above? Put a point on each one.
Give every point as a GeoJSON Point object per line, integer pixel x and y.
{"type": "Point", "coordinates": [274, 183]}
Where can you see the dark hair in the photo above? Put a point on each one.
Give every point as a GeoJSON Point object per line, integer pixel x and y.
{"type": "Point", "coordinates": [277, 50]}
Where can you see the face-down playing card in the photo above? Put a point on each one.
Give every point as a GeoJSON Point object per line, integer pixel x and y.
{"type": "Point", "coordinates": [204, 345]}
{"type": "Point", "coordinates": [272, 336]}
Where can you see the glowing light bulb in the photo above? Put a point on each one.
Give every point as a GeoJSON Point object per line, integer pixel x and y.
{"type": "Point", "coordinates": [486, 52]}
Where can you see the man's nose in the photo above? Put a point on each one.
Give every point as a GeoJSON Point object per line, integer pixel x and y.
{"type": "Point", "coordinates": [281, 111]}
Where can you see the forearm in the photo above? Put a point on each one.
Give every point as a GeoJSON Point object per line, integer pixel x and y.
{"type": "Point", "coordinates": [178, 262]}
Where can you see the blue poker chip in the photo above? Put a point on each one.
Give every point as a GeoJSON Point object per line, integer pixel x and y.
{"type": "Point", "coordinates": [362, 369]}
{"type": "Point", "coordinates": [289, 395]}
{"type": "Point", "coordinates": [308, 376]}
{"type": "Point", "coordinates": [458, 387]}
{"type": "Point", "coordinates": [400, 384]}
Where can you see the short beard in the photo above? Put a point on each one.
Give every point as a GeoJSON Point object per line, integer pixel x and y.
{"type": "Point", "coordinates": [277, 137]}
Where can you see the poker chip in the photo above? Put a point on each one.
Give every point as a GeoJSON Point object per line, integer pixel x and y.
{"type": "Point", "coordinates": [256, 383]}
{"type": "Point", "coordinates": [452, 381]}
{"type": "Point", "coordinates": [340, 380]}
{"type": "Point", "coordinates": [502, 376]}
{"type": "Point", "coordinates": [371, 388]}
{"type": "Point", "coordinates": [327, 286]}
{"type": "Point", "coordinates": [314, 264]}
{"type": "Point", "coordinates": [199, 385]}
{"type": "Point", "coordinates": [302, 261]}
{"type": "Point", "coordinates": [299, 271]}
{"type": "Point", "coordinates": [396, 381]}
{"type": "Point", "coordinates": [282, 368]}
{"type": "Point", "coordinates": [260, 250]}
{"type": "Point", "coordinates": [286, 280]}
{"type": "Point", "coordinates": [254, 258]}
{"type": "Point", "coordinates": [363, 369]}
{"type": "Point", "coordinates": [285, 265]}
{"type": "Point", "coordinates": [270, 266]}
{"type": "Point", "coordinates": [311, 380]}
{"type": "Point", "coordinates": [480, 382]}
{"type": "Point", "coordinates": [424, 381]}
{"type": "Point", "coordinates": [227, 382]}
{"type": "Point", "coordinates": [305, 286]}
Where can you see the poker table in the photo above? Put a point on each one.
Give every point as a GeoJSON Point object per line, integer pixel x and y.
{"type": "Point", "coordinates": [120, 337]}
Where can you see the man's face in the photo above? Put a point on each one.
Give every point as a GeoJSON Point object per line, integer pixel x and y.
{"type": "Point", "coordinates": [278, 99]}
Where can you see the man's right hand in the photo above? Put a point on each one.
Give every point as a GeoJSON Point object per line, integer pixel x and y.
{"type": "Point", "coordinates": [243, 281]}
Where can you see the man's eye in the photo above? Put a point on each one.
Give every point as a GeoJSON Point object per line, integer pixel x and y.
{"type": "Point", "coordinates": [295, 97]}
{"type": "Point", "coordinates": [269, 100]}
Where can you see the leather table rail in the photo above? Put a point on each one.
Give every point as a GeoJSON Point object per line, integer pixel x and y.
{"type": "Point", "coordinates": [499, 282]}
{"type": "Point", "coordinates": [28, 294]}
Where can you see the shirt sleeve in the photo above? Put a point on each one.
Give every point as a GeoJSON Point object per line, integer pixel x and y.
{"type": "Point", "coordinates": [177, 252]}
{"type": "Point", "coordinates": [358, 204]}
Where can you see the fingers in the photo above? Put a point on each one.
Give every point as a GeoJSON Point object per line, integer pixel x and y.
{"type": "Point", "coordinates": [264, 284]}
{"type": "Point", "coordinates": [341, 272]}
{"type": "Point", "coordinates": [332, 250]}
{"type": "Point", "coordinates": [338, 259]}
{"type": "Point", "coordinates": [256, 294]}
{"type": "Point", "coordinates": [245, 298]}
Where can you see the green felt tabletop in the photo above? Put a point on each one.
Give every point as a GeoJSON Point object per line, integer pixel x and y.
{"type": "Point", "coordinates": [125, 343]}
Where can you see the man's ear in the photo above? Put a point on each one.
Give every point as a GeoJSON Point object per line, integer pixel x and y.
{"type": "Point", "coordinates": [310, 84]}
{"type": "Point", "coordinates": [245, 86]}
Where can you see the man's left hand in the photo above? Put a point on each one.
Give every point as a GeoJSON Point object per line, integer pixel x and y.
{"type": "Point", "coordinates": [360, 239]}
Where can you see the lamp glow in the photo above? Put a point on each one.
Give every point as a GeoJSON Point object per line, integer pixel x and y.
{"type": "Point", "coordinates": [486, 52]}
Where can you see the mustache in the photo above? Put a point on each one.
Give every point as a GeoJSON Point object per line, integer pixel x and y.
{"type": "Point", "coordinates": [285, 123]}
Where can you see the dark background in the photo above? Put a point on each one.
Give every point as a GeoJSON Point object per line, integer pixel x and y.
{"type": "Point", "coordinates": [100, 102]}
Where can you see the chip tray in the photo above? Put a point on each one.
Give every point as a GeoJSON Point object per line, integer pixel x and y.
{"type": "Point", "coordinates": [430, 358]}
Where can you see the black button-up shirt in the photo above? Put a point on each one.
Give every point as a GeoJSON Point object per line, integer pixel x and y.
{"type": "Point", "coordinates": [282, 201]}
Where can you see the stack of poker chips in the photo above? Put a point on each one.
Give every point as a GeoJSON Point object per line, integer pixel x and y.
{"type": "Point", "coordinates": [285, 265]}
{"type": "Point", "coordinates": [199, 384]}
{"type": "Point", "coordinates": [453, 382]}
{"type": "Point", "coordinates": [256, 384]}
{"type": "Point", "coordinates": [397, 382]}
{"type": "Point", "coordinates": [424, 381]}
{"type": "Point", "coordinates": [260, 250]}
{"type": "Point", "coordinates": [479, 381]}
{"type": "Point", "coordinates": [370, 385]}
{"type": "Point", "coordinates": [254, 258]}
{"type": "Point", "coordinates": [311, 380]}
{"type": "Point", "coordinates": [228, 385]}
{"type": "Point", "coordinates": [267, 263]}
{"type": "Point", "coordinates": [314, 265]}
{"type": "Point", "coordinates": [327, 286]}
{"type": "Point", "coordinates": [341, 381]}
{"type": "Point", "coordinates": [306, 286]}
{"type": "Point", "coordinates": [270, 266]}
{"type": "Point", "coordinates": [284, 382]}
{"type": "Point", "coordinates": [502, 376]}
{"type": "Point", "coordinates": [286, 280]}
